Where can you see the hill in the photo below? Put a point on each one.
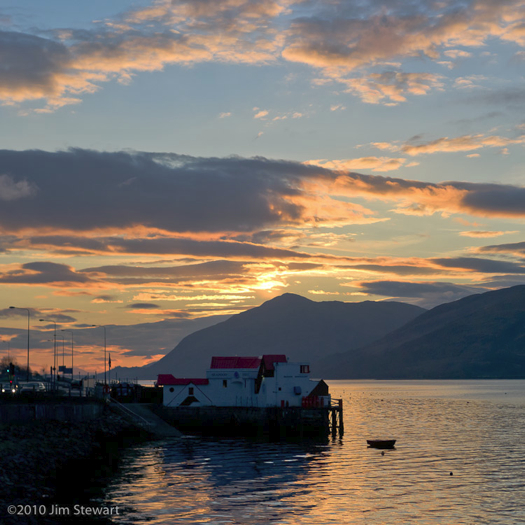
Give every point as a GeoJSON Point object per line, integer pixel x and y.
{"type": "Point", "coordinates": [480, 336]}
{"type": "Point", "coordinates": [289, 324]}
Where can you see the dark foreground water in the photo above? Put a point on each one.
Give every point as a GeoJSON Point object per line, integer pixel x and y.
{"type": "Point", "coordinates": [472, 429]}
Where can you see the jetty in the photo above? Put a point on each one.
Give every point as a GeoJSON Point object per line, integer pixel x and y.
{"type": "Point", "coordinates": [252, 396]}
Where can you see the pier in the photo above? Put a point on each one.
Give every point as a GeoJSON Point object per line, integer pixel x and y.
{"type": "Point", "coordinates": [274, 422]}
{"type": "Point", "coordinates": [335, 418]}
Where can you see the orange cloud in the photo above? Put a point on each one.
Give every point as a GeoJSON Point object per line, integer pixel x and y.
{"type": "Point", "coordinates": [379, 164]}
{"type": "Point", "coordinates": [342, 42]}
{"type": "Point", "coordinates": [484, 234]}
{"type": "Point", "coordinates": [391, 87]}
{"type": "Point", "coordinates": [463, 143]}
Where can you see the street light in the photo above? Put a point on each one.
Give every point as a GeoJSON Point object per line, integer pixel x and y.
{"type": "Point", "coordinates": [28, 328]}
{"type": "Point", "coordinates": [71, 332]}
{"type": "Point", "coordinates": [99, 326]}
{"type": "Point", "coordinates": [54, 349]}
{"type": "Point", "coordinates": [50, 341]}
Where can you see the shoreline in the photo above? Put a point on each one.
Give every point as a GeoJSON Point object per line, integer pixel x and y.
{"type": "Point", "coordinates": [48, 466]}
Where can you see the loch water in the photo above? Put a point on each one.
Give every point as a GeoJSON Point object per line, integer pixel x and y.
{"type": "Point", "coordinates": [459, 460]}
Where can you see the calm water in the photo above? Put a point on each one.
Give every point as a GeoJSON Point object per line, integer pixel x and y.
{"type": "Point", "coordinates": [474, 429]}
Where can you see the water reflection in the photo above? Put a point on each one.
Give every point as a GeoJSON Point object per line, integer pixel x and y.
{"type": "Point", "coordinates": [223, 481]}
{"type": "Point", "coordinates": [342, 481]}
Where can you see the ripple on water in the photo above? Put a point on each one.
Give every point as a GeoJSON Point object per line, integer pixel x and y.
{"type": "Point", "coordinates": [468, 429]}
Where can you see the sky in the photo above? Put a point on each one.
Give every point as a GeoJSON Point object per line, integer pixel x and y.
{"type": "Point", "coordinates": [166, 164]}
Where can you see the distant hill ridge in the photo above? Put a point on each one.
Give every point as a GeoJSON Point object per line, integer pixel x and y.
{"type": "Point", "coordinates": [479, 336]}
{"type": "Point", "coordinates": [289, 324]}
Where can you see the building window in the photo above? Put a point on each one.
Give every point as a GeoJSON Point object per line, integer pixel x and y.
{"type": "Point", "coordinates": [190, 391]}
{"type": "Point", "coordinates": [224, 383]}
{"type": "Point", "coordinates": [305, 369]}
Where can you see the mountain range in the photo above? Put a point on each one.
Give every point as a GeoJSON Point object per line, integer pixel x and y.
{"type": "Point", "coordinates": [302, 329]}
{"type": "Point", "coordinates": [479, 336]}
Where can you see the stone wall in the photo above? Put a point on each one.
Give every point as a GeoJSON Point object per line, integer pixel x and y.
{"type": "Point", "coordinates": [23, 413]}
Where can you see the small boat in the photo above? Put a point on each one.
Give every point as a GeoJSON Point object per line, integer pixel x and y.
{"type": "Point", "coordinates": [381, 443]}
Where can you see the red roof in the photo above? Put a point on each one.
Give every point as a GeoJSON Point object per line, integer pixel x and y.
{"type": "Point", "coordinates": [270, 359]}
{"type": "Point", "coordinates": [235, 362]}
{"type": "Point", "coordinates": [168, 379]}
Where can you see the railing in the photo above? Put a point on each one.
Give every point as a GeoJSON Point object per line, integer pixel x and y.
{"type": "Point", "coordinates": [129, 412]}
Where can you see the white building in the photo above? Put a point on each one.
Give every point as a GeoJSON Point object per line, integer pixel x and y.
{"type": "Point", "coordinates": [270, 381]}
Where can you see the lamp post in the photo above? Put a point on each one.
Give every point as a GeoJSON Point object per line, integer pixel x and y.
{"type": "Point", "coordinates": [54, 349]}
{"type": "Point", "coordinates": [28, 328]}
{"type": "Point", "coordinates": [99, 326]}
{"type": "Point", "coordinates": [71, 332]}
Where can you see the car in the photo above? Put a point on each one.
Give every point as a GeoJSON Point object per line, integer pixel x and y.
{"type": "Point", "coordinates": [32, 387]}
{"type": "Point", "coordinates": [8, 388]}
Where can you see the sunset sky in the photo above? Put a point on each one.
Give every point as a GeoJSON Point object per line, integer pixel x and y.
{"type": "Point", "coordinates": [164, 163]}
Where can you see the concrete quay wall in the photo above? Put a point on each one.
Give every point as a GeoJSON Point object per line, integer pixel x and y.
{"type": "Point", "coordinates": [23, 413]}
{"type": "Point", "coordinates": [248, 421]}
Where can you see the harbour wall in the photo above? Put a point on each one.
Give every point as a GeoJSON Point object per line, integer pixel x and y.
{"type": "Point", "coordinates": [27, 412]}
{"type": "Point", "coordinates": [248, 421]}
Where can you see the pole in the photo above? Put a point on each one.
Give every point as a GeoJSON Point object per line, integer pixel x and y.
{"type": "Point", "coordinates": [71, 332]}
{"type": "Point", "coordinates": [55, 357]}
{"type": "Point", "coordinates": [105, 359]}
{"type": "Point", "coordinates": [28, 330]}
{"type": "Point", "coordinates": [105, 383]}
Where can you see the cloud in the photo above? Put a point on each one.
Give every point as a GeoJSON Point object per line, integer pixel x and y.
{"type": "Point", "coordinates": [483, 234]}
{"type": "Point", "coordinates": [60, 65]}
{"type": "Point", "coordinates": [12, 191]}
{"type": "Point", "coordinates": [161, 246]}
{"type": "Point", "coordinates": [350, 35]}
{"type": "Point", "coordinates": [48, 273]}
{"type": "Point", "coordinates": [168, 204]}
{"type": "Point", "coordinates": [225, 115]}
{"type": "Point", "coordinates": [379, 164]}
{"type": "Point", "coordinates": [391, 87]}
{"type": "Point", "coordinates": [347, 41]}
{"type": "Point", "coordinates": [427, 294]}
{"type": "Point", "coordinates": [470, 82]}
{"type": "Point", "coordinates": [48, 315]}
{"type": "Point", "coordinates": [164, 193]}
{"type": "Point", "coordinates": [511, 97]}
{"type": "Point", "coordinates": [457, 53]}
{"type": "Point", "coordinates": [420, 268]}
{"type": "Point", "coordinates": [143, 306]}
{"type": "Point", "coordinates": [261, 114]}
{"type": "Point", "coordinates": [33, 67]}
{"type": "Point", "coordinates": [515, 248]}
{"type": "Point", "coordinates": [480, 265]}
{"type": "Point", "coordinates": [102, 299]}
{"type": "Point", "coordinates": [451, 145]}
